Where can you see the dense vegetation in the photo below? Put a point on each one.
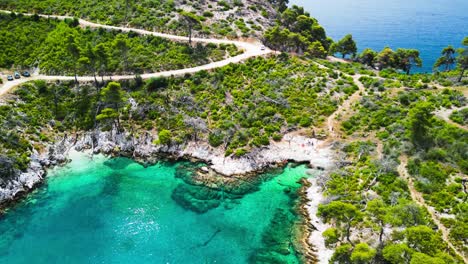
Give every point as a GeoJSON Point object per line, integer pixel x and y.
{"type": "Point", "coordinates": [241, 107]}
{"type": "Point", "coordinates": [368, 192]}
{"type": "Point", "coordinates": [406, 59]}
{"type": "Point", "coordinates": [369, 206]}
{"type": "Point", "coordinates": [297, 32]}
{"type": "Point", "coordinates": [237, 106]}
{"type": "Point", "coordinates": [392, 78]}
{"type": "Point", "coordinates": [161, 15]}
{"type": "Point", "coordinates": [60, 47]}
{"type": "Point", "coordinates": [460, 117]}
{"type": "Point", "coordinates": [345, 46]}
{"type": "Point", "coordinates": [245, 105]}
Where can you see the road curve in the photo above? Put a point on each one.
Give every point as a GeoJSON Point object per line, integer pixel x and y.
{"type": "Point", "coordinates": [250, 49]}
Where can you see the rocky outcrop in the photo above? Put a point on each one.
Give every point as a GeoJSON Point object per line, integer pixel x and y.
{"type": "Point", "coordinates": [293, 147]}
{"type": "Point", "coordinates": [222, 177]}
{"type": "Point", "coordinates": [315, 239]}
{"type": "Point", "coordinates": [21, 183]}
{"type": "Point", "coordinates": [140, 147]}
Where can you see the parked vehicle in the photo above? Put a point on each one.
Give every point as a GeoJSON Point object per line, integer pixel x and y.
{"type": "Point", "coordinates": [26, 74]}
{"type": "Point", "coordinates": [17, 75]}
{"type": "Point", "coordinates": [10, 78]}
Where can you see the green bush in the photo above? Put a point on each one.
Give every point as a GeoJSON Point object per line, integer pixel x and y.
{"type": "Point", "coordinates": [215, 139]}
{"type": "Point", "coordinates": [165, 137]}
{"type": "Point", "coordinates": [40, 43]}
{"type": "Point", "coordinates": [460, 117]}
{"type": "Point", "coordinates": [208, 14]}
{"type": "Point", "coordinates": [240, 152]}
{"type": "Point", "coordinates": [331, 236]}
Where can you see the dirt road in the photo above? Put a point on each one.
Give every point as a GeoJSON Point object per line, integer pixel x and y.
{"type": "Point", "coordinates": [250, 49]}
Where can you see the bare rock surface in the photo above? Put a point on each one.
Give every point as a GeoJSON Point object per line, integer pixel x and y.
{"type": "Point", "coordinates": [315, 197]}
{"type": "Point", "coordinates": [141, 147]}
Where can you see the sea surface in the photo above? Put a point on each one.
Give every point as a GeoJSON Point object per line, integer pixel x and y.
{"type": "Point", "coordinates": [116, 211]}
{"type": "Point", "coordinates": [426, 25]}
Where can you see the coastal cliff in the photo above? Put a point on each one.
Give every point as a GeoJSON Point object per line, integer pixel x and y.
{"type": "Point", "coordinates": [293, 148]}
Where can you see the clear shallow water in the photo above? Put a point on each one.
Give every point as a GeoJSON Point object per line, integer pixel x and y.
{"type": "Point", "coordinates": [426, 25]}
{"type": "Point", "coordinates": [96, 211]}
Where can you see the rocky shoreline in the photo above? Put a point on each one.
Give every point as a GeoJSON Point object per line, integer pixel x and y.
{"type": "Point", "coordinates": [312, 198]}
{"type": "Point", "coordinates": [292, 148]}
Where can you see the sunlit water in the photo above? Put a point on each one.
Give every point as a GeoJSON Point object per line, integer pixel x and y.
{"type": "Point", "coordinates": [101, 211]}
{"type": "Point", "coordinates": [426, 25]}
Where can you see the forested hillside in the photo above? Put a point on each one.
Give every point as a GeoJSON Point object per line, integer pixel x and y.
{"type": "Point", "coordinates": [63, 48]}
{"type": "Point", "coordinates": [398, 191]}
{"type": "Point", "coordinates": [238, 107]}
{"type": "Point", "coordinates": [222, 18]}
{"type": "Point", "coordinates": [388, 132]}
{"type": "Point", "coordinates": [241, 107]}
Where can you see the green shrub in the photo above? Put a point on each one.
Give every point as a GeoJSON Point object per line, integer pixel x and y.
{"type": "Point", "coordinates": [215, 139]}
{"type": "Point", "coordinates": [277, 137]}
{"type": "Point", "coordinates": [164, 137]}
{"type": "Point", "coordinates": [240, 152]}
{"type": "Point", "coordinates": [331, 236]}
{"type": "Point", "coordinates": [208, 14]}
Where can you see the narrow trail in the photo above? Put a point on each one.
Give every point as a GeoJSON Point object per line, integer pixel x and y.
{"type": "Point", "coordinates": [418, 198]}
{"type": "Point", "coordinates": [379, 149]}
{"type": "Point", "coordinates": [315, 194]}
{"type": "Point", "coordinates": [332, 123]}
{"type": "Point", "coordinates": [445, 113]}
{"type": "Point", "coordinates": [250, 49]}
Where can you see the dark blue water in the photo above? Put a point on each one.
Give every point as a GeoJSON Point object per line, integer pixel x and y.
{"type": "Point", "coordinates": [426, 25]}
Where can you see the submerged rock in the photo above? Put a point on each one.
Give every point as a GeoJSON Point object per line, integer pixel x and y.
{"type": "Point", "coordinates": [202, 192]}
{"type": "Point", "coordinates": [278, 244]}
{"type": "Point", "coordinates": [118, 164]}
{"type": "Point", "coordinates": [231, 185]}
{"type": "Point", "coordinates": [195, 198]}
{"type": "Point", "coordinates": [234, 177]}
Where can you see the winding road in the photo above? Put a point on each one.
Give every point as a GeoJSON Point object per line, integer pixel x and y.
{"type": "Point", "coordinates": [250, 49]}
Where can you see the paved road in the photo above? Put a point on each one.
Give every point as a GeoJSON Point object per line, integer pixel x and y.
{"type": "Point", "coordinates": [250, 49]}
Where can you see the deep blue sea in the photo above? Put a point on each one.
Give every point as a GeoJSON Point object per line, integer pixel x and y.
{"type": "Point", "coordinates": [426, 25]}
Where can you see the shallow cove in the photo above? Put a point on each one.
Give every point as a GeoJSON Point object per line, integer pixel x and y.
{"type": "Point", "coordinates": [116, 211]}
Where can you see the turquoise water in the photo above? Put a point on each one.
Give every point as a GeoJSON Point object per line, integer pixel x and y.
{"type": "Point", "coordinates": [116, 211]}
{"type": "Point", "coordinates": [426, 25]}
